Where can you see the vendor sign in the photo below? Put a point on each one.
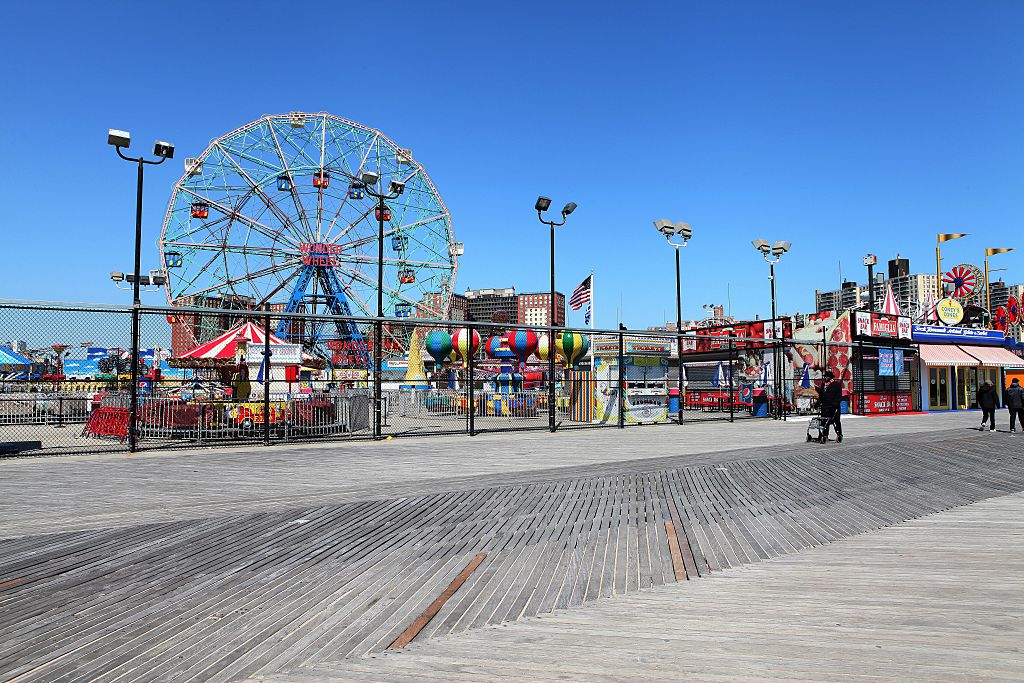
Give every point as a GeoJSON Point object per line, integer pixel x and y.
{"type": "Point", "coordinates": [874, 403]}
{"type": "Point", "coordinates": [869, 324]}
{"type": "Point", "coordinates": [957, 335]}
{"type": "Point", "coordinates": [950, 311]}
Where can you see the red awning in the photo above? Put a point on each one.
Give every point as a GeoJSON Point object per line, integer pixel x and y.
{"type": "Point", "coordinates": [946, 354]}
{"type": "Point", "coordinates": [994, 355]}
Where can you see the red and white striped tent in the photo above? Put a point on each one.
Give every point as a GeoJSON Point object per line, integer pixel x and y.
{"type": "Point", "coordinates": [890, 306]}
{"type": "Point", "coordinates": [223, 350]}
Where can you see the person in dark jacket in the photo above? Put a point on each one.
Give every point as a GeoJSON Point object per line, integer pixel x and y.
{"type": "Point", "coordinates": [987, 400]}
{"type": "Point", "coordinates": [1014, 398]}
{"type": "Point", "coordinates": [830, 398]}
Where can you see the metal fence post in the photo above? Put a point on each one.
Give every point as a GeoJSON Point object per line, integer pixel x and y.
{"type": "Point", "coordinates": [471, 408]}
{"type": "Point", "coordinates": [732, 401]}
{"type": "Point", "coordinates": [895, 378]}
{"type": "Point", "coordinates": [133, 405]}
{"type": "Point", "coordinates": [860, 363]}
{"type": "Point", "coordinates": [378, 368]}
{"type": "Point", "coordinates": [266, 380]}
{"type": "Point", "coordinates": [622, 382]}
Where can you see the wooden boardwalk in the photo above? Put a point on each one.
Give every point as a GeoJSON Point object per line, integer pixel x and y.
{"type": "Point", "coordinates": [935, 599]}
{"type": "Point", "coordinates": [239, 595]}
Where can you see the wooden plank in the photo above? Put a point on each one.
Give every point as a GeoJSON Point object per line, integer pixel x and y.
{"type": "Point", "coordinates": [677, 557]}
{"type": "Point", "coordinates": [409, 634]}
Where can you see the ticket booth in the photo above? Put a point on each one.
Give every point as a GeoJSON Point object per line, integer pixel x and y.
{"type": "Point", "coordinates": [644, 377]}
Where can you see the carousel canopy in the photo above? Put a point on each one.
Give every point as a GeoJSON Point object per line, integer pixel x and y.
{"type": "Point", "coordinates": [226, 345]}
{"type": "Point", "coordinates": [223, 350]}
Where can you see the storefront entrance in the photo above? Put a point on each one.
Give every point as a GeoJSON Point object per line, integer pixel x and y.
{"type": "Point", "coordinates": [938, 388]}
{"type": "Point", "coordinates": [968, 380]}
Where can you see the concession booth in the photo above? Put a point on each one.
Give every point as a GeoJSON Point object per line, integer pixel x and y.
{"type": "Point", "coordinates": [956, 360]}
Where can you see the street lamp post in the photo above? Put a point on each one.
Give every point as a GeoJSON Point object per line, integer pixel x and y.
{"type": "Point", "coordinates": [542, 205]}
{"type": "Point", "coordinates": [772, 253]}
{"type": "Point", "coordinates": [682, 232]}
{"type": "Point", "coordinates": [939, 239]}
{"type": "Point", "coordinates": [163, 150]}
{"type": "Point", "coordinates": [870, 260]}
{"type": "Point", "coordinates": [395, 189]}
{"type": "Point", "coordinates": [988, 289]}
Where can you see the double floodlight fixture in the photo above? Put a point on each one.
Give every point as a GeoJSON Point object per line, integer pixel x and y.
{"type": "Point", "coordinates": [775, 249]}
{"type": "Point", "coordinates": [670, 229]}
{"type": "Point", "coordinates": [369, 178]}
{"type": "Point", "coordinates": [870, 260]}
{"type": "Point", "coordinates": [122, 138]}
{"type": "Point", "coordinates": [396, 187]}
{"type": "Point", "coordinates": [544, 203]}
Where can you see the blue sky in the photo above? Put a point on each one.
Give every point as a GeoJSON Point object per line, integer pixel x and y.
{"type": "Point", "coordinates": [844, 128]}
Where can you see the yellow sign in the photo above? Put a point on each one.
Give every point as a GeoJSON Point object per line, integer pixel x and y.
{"type": "Point", "coordinates": [950, 311]}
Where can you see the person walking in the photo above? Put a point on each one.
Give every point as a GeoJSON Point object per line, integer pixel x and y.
{"type": "Point", "coordinates": [987, 400]}
{"type": "Point", "coordinates": [830, 398]}
{"type": "Point", "coordinates": [1014, 398]}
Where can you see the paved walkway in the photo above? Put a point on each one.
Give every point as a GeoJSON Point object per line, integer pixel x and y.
{"type": "Point", "coordinates": [55, 494]}
{"type": "Point", "coordinates": [936, 599]}
{"type": "Point", "coordinates": [327, 571]}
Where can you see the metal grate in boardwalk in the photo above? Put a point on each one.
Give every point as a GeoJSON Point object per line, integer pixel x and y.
{"type": "Point", "coordinates": [235, 596]}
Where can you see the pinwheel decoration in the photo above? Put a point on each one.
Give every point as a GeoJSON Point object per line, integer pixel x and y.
{"type": "Point", "coordinates": [1012, 310]}
{"type": "Point", "coordinates": [999, 318]}
{"type": "Point", "coordinates": [963, 278]}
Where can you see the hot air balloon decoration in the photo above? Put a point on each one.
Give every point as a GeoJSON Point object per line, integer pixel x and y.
{"type": "Point", "coordinates": [572, 347]}
{"type": "Point", "coordinates": [497, 348]}
{"type": "Point", "coordinates": [543, 347]}
{"type": "Point", "coordinates": [522, 343]}
{"type": "Point", "coordinates": [465, 343]}
{"type": "Point", "coordinates": [439, 346]}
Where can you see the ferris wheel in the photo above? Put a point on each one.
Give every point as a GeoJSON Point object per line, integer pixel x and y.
{"type": "Point", "coordinates": [276, 214]}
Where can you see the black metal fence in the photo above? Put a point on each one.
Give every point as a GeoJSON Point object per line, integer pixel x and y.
{"type": "Point", "coordinates": [219, 376]}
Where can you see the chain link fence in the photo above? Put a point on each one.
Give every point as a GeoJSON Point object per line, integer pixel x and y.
{"type": "Point", "coordinates": [219, 376]}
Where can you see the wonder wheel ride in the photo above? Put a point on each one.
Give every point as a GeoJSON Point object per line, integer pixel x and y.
{"type": "Point", "coordinates": [276, 215]}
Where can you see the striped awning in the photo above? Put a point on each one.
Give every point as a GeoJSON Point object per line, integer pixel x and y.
{"type": "Point", "coordinates": [946, 354]}
{"type": "Point", "coordinates": [226, 345]}
{"type": "Point", "coordinates": [963, 354]}
{"type": "Point", "coordinates": [994, 355]}
{"type": "Point", "coordinates": [8, 357]}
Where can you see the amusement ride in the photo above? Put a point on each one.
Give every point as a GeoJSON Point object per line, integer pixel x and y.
{"type": "Point", "coordinates": [287, 213]}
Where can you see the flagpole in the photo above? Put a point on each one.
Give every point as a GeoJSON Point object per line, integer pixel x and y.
{"type": "Point", "coordinates": [592, 297]}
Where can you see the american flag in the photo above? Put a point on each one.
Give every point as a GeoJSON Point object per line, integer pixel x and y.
{"type": "Point", "coordinates": [582, 294]}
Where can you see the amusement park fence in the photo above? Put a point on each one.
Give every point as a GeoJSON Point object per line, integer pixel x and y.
{"type": "Point", "coordinates": [63, 403]}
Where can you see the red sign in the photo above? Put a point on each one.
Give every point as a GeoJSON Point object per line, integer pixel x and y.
{"type": "Point", "coordinates": [876, 403]}
{"type": "Point", "coordinates": [717, 338]}
{"type": "Point", "coordinates": [364, 345]}
{"type": "Point", "coordinates": [319, 254]}
{"type": "Point", "coordinates": [882, 325]}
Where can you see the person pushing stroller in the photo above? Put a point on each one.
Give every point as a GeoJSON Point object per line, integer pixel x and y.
{"type": "Point", "coordinates": [830, 398]}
